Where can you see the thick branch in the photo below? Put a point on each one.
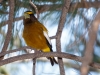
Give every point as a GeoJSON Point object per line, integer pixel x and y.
{"type": "Point", "coordinates": [39, 54]}
{"type": "Point", "coordinates": [88, 56]}
{"type": "Point", "coordinates": [59, 32]}
{"type": "Point", "coordinates": [10, 23]}
{"type": "Point", "coordinates": [42, 54]}
{"type": "Point", "coordinates": [66, 55]}
{"type": "Point", "coordinates": [1, 1]}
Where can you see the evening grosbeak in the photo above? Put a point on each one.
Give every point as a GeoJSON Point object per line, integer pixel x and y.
{"type": "Point", "coordinates": [36, 35]}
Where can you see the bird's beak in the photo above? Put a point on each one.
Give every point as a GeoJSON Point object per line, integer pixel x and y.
{"type": "Point", "coordinates": [26, 15]}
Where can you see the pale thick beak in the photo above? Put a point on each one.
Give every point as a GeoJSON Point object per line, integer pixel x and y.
{"type": "Point", "coordinates": [26, 15]}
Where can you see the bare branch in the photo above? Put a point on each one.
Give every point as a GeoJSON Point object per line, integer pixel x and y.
{"type": "Point", "coordinates": [88, 56]}
{"type": "Point", "coordinates": [10, 23]}
{"type": "Point", "coordinates": [15, 50]}
{"type": "Point", "coordinates": [43, 8]}
{"type": "Point", "coordinates": [59, 32]}
{"type": "Point", "coordinates": [46, 7]}
{"type": "Point", "coordinates": [34, 66]}
{"type": "Point", "coordinates": [43, 54]}
{"type": "Point", "coordinates": [1, 1]}
{"type": "Point", "coordinates": [63, 55]}
{"type": "Point", "coordinates": [16, 19]}
{"type": "Point", "coordinates": [39, 54]}
{"type": "Point", "coordinates": [53, 37]}
{"type": "Point", "coordinates": [35, 7]}
{"type": "Point", "coordinates": [77, 41]}
{"type": "Point", "coordinates": [95, 4]}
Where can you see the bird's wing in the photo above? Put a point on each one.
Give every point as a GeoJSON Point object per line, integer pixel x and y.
{"type": "Point", "coordinates": [48, 40]}
{"type": "Point", "coordinates": [45, 32]}
{"type": "Point", "coordinates": [47, 37]}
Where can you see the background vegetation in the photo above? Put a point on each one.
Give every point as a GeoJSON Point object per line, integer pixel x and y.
{"type": "Point", "coordinates": [75, 23]}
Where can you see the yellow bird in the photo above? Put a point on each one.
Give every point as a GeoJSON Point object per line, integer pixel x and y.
{"type": "Point", "coordinates": [36, 35]}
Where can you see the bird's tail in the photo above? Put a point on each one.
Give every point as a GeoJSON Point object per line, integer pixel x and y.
{"type": "Point", "coordinates": [52, 60]}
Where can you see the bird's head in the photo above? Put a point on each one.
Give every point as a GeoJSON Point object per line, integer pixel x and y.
{"type": "Point", "coordinates": [27, 14]}
{"type": "Point", "coordinates": [29, 17]}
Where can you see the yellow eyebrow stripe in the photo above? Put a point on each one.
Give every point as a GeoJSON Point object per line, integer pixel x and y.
{"type": "Point", "coordinates": [29, 12]}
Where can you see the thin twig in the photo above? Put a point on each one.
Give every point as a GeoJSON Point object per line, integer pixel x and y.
{"type": "Point", "coordinates": [47, 7]}
{"type": "Point", "coordinates": [10, 23]}
{"type": "Point", "coordinates": [34, 63]}
{"type": "Point", "coordinates": [35, 7]}
{"type": "Point", "coordinates": [53, 37]}
{"type": "Point", "coordinates": [3, 23]}
{"type": "Point", "coordinates": [34, 66]}
{"type": "Point", "coordinates": [77, 41]}
{"type": "Point", "coordinates": [59, 32]}
{"type": "Point", "coordinates": [15, 50]}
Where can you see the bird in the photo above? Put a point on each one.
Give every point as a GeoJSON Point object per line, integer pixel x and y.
{"type": "Point", "coordinates": [36, 36]}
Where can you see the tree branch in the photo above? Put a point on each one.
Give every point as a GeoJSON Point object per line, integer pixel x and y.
{"type": "Point", "coordinates": [66, 55]}
{"type": "Point", "coordinates": [1, 1]}
{"type": "Point", "coordinates": [16, 19]}
{"type": "Point", "coordinates": [10, 23]}
{"type": "Point", "coordinates": [44, 8]}
{"type": "Point", "coordinates": [37, 55]}
{"type": "Point", "coordinates": [42, 54]}
{"type": "Point", "coordinates": [59, 32]}
{"type": "Point", "coordinates": [88, 56]}
{"type": "Point", "coordinates": [47, 7]}
{"type": "Point", "coordinates": [35, 7]}
{"type": "Point", "coordinates": [15, 50]}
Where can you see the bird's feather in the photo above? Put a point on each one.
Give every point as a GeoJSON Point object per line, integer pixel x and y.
{"type": "Point", "coordinates": [47, 37]}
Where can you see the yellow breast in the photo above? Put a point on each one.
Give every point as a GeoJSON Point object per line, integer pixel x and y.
{"type": "Point", "coordinates": [34, 37]}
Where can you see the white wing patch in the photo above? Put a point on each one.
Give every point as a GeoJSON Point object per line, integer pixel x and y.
{"type": "Point", "coordinates": [47, 37]}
